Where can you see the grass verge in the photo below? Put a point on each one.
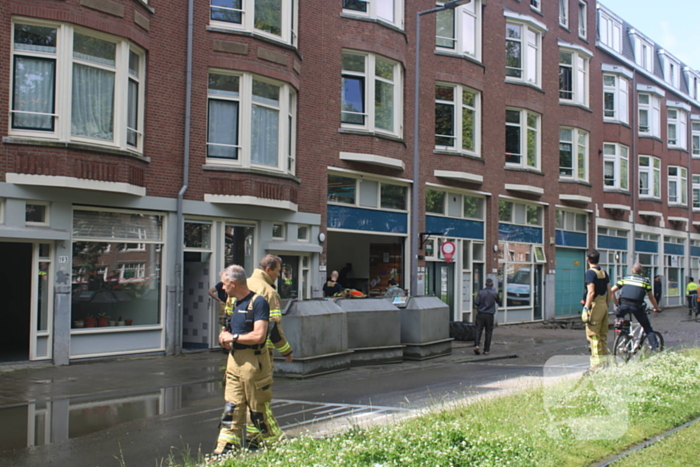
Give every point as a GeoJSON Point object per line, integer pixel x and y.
{"type": "Point", "coordinates": [678, 450]}
{"type": "Point", "coordinates": [570, 424]}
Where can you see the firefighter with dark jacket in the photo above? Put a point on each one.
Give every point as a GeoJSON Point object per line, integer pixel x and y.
{"type": "Point", "coordinates": [633, 289]}
{"type": "Point", "coordinates": [248, 370]}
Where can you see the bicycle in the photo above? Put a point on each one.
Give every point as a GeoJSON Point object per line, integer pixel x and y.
{"type": "Point", "coordinates": [631, 341]}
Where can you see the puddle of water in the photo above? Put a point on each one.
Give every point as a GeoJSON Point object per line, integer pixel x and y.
{"type": "Point", "coordinates": [42, 423]}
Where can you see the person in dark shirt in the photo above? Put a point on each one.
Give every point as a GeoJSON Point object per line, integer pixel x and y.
{"type": "Point", "coordinates": [219, 294]}
{"type": "Point", "coordinates": [487, 302]}
{"type": "Point", "coordinates": [658, 289]}
{"type": "Point", "coordinates": [332, 287]}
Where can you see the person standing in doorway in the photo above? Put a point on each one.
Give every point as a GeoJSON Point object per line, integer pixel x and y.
{"type": "Point", "coordinates": [596, 309]}
{"type": "Point", "coordinates": [487, 302]}
{"type": "Point", "coordinates": [691, 293]}
{"type": "Point", "coordinates": [658, 289]}
{"type": "Point", "coordinates": [219, 294]}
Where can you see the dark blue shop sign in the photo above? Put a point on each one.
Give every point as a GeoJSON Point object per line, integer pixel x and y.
{"type": "Point", "coordinates": [367, 220]}
{"type": "Point", "coordinates": [519, 233]}
{"type": "Point", "coordinates": [695, 251]}
{"type": "Point", "coordinates": [606, 242]}
{"type": "Point", "coordinates": [571, 239]}
{"type": "Point", "coordinates": [646, 246]}
{"type": "Point", "coordinates": [457, 228]}
{"type": "Point", "coordinates": [674, 249]}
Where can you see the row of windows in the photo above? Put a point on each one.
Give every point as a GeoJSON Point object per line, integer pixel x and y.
{"type": "Point", "coordinates": [616, 109]}
{"type": "Point", "coordinates": [610, 34]}
{"type": "Point", "coordinates": [616, 174]}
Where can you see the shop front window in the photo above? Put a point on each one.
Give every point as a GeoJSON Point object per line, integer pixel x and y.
{"type": "Point", "coordinates": [114, 284]}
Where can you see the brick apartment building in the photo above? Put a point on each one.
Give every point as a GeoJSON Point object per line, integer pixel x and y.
{"type": "Point", "coordinates": [147, 144]}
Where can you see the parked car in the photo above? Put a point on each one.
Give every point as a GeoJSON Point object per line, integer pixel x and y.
{"type": "Point", "coordinates": [518, 288]}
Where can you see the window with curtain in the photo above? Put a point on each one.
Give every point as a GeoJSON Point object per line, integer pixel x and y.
{"type": "Point", "coordinates": [251, 121]}
{"type": "Point", "coordinates": [82, 105]}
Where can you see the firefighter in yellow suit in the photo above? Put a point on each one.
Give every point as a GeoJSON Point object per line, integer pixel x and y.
{"type": "Point", "coordinates": [597, 302]}
{"type": "Point", "coordinates": [262, 282]}
{"type": "Point", "coordinates": [248, 370]}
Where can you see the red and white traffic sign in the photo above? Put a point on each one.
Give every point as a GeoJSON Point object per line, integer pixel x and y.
{"type": "Point", "coordinates": [448, 250]}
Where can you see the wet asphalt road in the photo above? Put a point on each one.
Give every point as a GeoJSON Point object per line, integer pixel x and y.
{"type": "Point", "coordinates": [144, 425]}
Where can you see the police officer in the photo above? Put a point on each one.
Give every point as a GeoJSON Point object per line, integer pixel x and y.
{"type": "Point", "coordinates": [691, 292]}
{"type": "Point", "coordinates": [632, 289]}
{"type": "Point", "coordinates": [596, 307]}
{"type": "Point", "coordinates": [248, 371]}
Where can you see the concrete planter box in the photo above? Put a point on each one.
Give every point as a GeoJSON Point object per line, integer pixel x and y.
{"type": "Point", "coordinates": [317, 330]}
{"type": "Point", "coordinates": [374, 331]}
{"type": "Point", "coordinates": [425, 328]}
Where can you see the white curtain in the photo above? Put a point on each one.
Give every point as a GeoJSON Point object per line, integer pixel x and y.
{"type": "Point", "coordinates": [223, 129]}
{"type": "Point", "coordinates": [33, 92]}
{"type": "Point", "coordinates": [265, 144]}
{"type": "Point", "coordinates": [93, 103]}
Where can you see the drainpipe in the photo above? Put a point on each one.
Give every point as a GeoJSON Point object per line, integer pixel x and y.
{"type": "Point", "coordinates": [176, 338]}
{"type": "Point", "coordinates": [689, 186]}
{"type": "Point", "coordinates": [634, 163]}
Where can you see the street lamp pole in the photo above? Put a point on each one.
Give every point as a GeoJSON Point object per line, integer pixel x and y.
{"type": "Point", "coordinates": [415, 189]}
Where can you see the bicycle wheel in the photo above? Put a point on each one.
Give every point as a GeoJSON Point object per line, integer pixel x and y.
{"type": "Point", "coordinates": [621, 347]}
{"type": "Point", "coordinates": [645, 346]}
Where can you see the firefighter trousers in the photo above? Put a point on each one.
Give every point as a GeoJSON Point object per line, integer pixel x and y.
{"type": "Point", "coordinates": [248, 389]}
{"type": "Point", "coordinates": [597, 332]}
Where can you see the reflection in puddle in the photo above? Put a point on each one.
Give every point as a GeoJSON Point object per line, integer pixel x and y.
{"type": "Point", "coordinates": [41, 423]}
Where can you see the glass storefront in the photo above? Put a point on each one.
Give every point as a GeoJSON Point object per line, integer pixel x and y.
{"type": "Point", "coordinates": [117, 259]}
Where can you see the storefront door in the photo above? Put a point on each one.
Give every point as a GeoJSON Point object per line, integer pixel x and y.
{"type": "Point", "coordinates": [15, 289]}
{"type": "Point", "coordinates": [440, 282]}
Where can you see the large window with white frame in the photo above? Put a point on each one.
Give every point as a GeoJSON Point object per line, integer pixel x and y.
{"type": "Point", "coordinates": [672, 70]}
{"type": "Point", "coordinates": [649, 115]}
{"type": "Point", "coordinates": [459, 30]}
{"type": "Point", "coordinates": [677, 128]}
{"type": "Point", "coordinates": [522, 138]}
{"type": "Point", "coordinates": [389, 11]}
{"type": "Point", "coordinates": [696, 137]}
{"type": "Point", "coordinates": [573, 154]}
{"type": "Point", "coordinates": [523, 52]}
{"type": "Point", "coordinates": [615, 98]}
{"type": "Point", "coordinates": [110, 279]}
{"type": "Point", "coordinates": [366, 193]}
{"type": "Point", "coordinates": [564, 13]}
{"type": "Point", "coordinates": [696, 192]}
{"type": "Point", "coordinates": [76, 84]}
{"type": "Point", "coordinates": [649, 177]}
{"type": "Point", "coordinates": [644, 53]}
{"type": "Point", "coordinates": [573, 76]}
{"type": "Point", "coordinates": [677, 185]}
{"type": "Point", "coordinates": [251, 121]}
{"type": "Point", "coordinates": [615, 166]}
{"type": "Point", "coordinates": [610, 31]}
{"type": "Point", "coordinates": [275, 19]}
{"type": "Point", "coordinates": [582, 19]}
{"type": "Point", "coordinates": [457, 118]}
{"type": "Point", "coordinates": [371, 92]}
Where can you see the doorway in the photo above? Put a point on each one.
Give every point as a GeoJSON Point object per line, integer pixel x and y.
{"type": "Point", "coordinates": [439, 279]}
{"type": "Point", "coordinates": [15, 290]}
